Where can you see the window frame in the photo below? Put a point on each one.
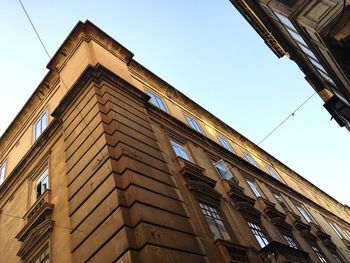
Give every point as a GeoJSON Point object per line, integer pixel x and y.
{"type": "Point", "coordinates": [306, 215]}
{"type": "Point", "coordinates": [225, 143]}
{"type": "Point", "coordinates": [253, 187]}
{"type": "Point", "coordinates": [3, 169]}
{"type": "Point", "coordinates": [213, 212]}
{"type": "Point", "coordinates": [321, 257]}
{"type": "Point", "coordinates": [222, 175]}
{"type": "Point", "coordinates": [181, 150]}
{"type": "Point", "coordinates": [283, 204]}
{"type": "Point", "coordinates": [193, 123]}
{"type": "Point", "coordinates": [290, 241]}
{"type": "Point", "coordinates": [37, 135]}
{"type": "Point", "coordinates": [44, 176]}
{"type": "Point", "coordinates": [257, 231]}
{"type": "Point", "coordinates": [157, 101]}
{"type": "Point", "coordinates": [274, 173]}
{"type": "Point", "coordinates": [250, 158]}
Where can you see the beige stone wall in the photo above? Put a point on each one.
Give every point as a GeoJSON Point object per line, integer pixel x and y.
{"type": "Point", "coordinates": [115, 182]}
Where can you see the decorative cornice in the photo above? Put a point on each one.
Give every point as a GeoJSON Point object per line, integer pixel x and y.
{"type": "Point", "coordinates": [39, 212]}
{"type": "Point", "coordinates": [191, 171]}
{"type": "Point", "coordinates": [39, 235]}
{"type": "Point", "coordinates": [283, 253]}
{"type": "Point", "coordinates": [96, 74]}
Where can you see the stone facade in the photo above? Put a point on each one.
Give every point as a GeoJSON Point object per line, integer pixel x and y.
{"type": "Point", "coordinates": [118, 190]}
{"type": "Point", "coordinates": [315, 35]}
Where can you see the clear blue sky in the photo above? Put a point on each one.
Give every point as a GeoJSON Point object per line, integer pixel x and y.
{"type": "Point", "coordinates": [206, 50]}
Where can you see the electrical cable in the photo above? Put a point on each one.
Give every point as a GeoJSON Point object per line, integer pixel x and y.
{"type": "Point", "coordinates": [291, 115]}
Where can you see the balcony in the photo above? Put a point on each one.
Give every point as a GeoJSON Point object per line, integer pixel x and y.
{"type": "Point", "coordinates": [278, 252]}
{"type": "Point", "coordinates": [38, 225]}
{"type": "Point", "coordinates": [244, 203]}
{"type": "Point", "coordinates": [304, 229]}
{"type": "Point", "coordinates": [193, 172]}
{"type": "Point", "coordinates": [231, 252]}
{"type": "Point", "coordinates": [200, 185]}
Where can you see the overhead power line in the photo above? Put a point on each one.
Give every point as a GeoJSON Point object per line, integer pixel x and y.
{"type": "Point", "coordinates": [284, 121]}
{"type": "Point", "coordinates": [36, 32]}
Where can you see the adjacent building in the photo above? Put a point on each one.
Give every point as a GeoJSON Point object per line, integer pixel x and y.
{"type": "Point", "coordinates": [316, 35]}
{"type": "Point", "coordinates": [107, 162]}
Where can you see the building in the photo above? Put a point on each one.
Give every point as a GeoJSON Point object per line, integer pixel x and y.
{"type": "Point", "coordinates": [316, 35]}
{"type": "Point", "coordinates": [106, 162]}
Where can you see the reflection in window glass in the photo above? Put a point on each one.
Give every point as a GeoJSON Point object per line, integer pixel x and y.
{"type": "Point", "coordinates": [225, 143]}
{"type": "Point", "coordinates": [157, 101]}
{"type": "Point", "coordinates": [258, 233]}
{"type": "Point", "coordinates": [179, 150]}
{"type": "Point", "coordinates": [215, 222]}
{"type": "Point", "coordinates": [2, 172]}
{"type": "Point", "coordinates": [40, 125]}
{"type": "Point", "coordinates": [304, 213]}
{"type": "Point", "coordinates": [42, 183]}
{"type": "Point", "coordinates": [194, 124]}
{"type": "Point", "coordinates": [253, 188]}
{"type": "Point", "coordinates": [250, 158]}
{"type": "Point", "coordinates": [222, 169]}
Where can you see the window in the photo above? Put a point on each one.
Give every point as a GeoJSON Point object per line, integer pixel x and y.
{"type": "Point", "coordinates": [179, 150]}
{"type": "Point", "coordinates": [2, 172]}
{"type": "Point", "coordinates": [272, 172]}
{"type": "Point", "coordinates": [335, 229]}
{"type": "Point", "coordinates": [254, 188]}
{"type": "Point", "coordinates": [346, 234]}
{"type": "Point", "coordinates": [215, 222]}
{"type": "Point", "coordinates": [337, 258]}
{"type": "Point", "coordinates": [194, 124]}
{"type": "Point", "coordinates": [303, 212]}
{"type": "Point", "coordinates": [42, 183]}
{"type": "Point", "coordinates": [41, 124]}
{"type": "Point", "coordinates": [225, 143]}
{"type": "Point", "coordinates": [280, 200]}
{"type": "Point", "coordinates": [290, 241]}
{"type": "Point", "coordinates": [43, 257]}
{"type": "Point", "coordinates": [319, 254]}
{"type": "Point", "coordinates": [259, 234]}
{"type": "Point", "coordinates": [251, 159]}
{"type": "Point", "coordinates": [157, 101]}
{"type": "Point", "coordinates": [222, 169]}
{"type": "Point", "coordinates": [304, 47]}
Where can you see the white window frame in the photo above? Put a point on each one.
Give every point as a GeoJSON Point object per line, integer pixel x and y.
{"type": "Point", "coordinates": [253, 187]}
{"type": "Point", "coordinates": [222, 169]}
{"type": "Point", "coordinates": [258, 233]}
{"type": "Point", "coordinates": [179, 150]}
{"type": "Point", "coordinates": [215, 222]}
{"type": "Point", "coordinates": [193, 123]}
{"type": "Point", "coordinates": [290, 241]}
{"type": "Point", "coordinates": [43, 182]}
{"type": "Point", "coordinates": [250, 159]}
{"type": "Point", "coordinates": [2, 172]}
{"type": "Point", "coordinates": [157, 101]}
{"type": "Point", "coordinates": [319, 254]}
{"type": "Point", "coordinates": [38, 132]}
{"type": "Point", "coordinates": [336, 229]}
{"type": "Point", "coordinates": [224, 142]}
{"type": "Point", "coordinates": [272, 171]}
{"type": "Point", "coordinates": [304, 213]}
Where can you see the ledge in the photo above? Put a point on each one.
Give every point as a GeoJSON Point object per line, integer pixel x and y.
{"type": "Point", "coordinates": [283, 253]}
{"type": "Point", "coordinates": [232, 252]}
{"type": "Point", "coordinates": [193, 172]}
{"type": "Point", "coordinates": [270, 208]}
{"type": "Point", "coordinates": [38, 213]}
